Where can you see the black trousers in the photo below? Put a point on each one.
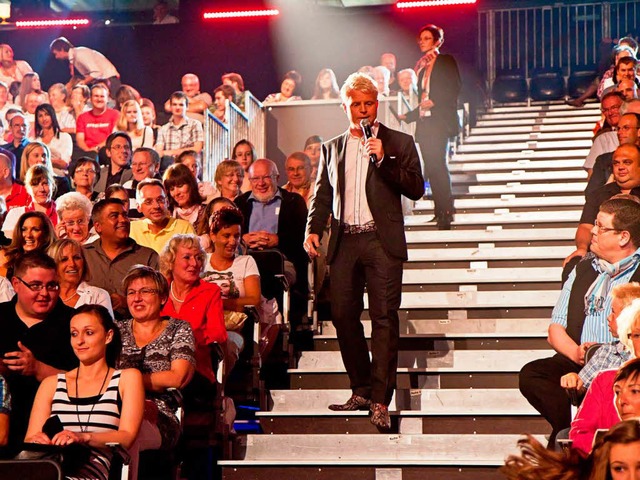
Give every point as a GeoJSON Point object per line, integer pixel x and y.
{"type": "Point", "coordinates": [540, 384]}
{"type": "Point", "coordinates": [361, 260]}
{"type": "Point", "coordinates": [434, 147]}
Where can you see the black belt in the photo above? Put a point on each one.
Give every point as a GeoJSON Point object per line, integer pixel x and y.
{"type": "Point", "coordinates": [355, 229]}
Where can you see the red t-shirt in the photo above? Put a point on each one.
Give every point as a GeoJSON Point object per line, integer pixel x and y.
{"type": "Point", "coordinates": [18, 196]}
{"type": "Point", "coordinates": [202, 308]}
{"type": "Point", "coordinates": [97, 128]}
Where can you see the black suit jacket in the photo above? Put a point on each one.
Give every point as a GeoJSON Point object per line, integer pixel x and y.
{"type": "Point", "coordinates": [398, 174]}
{"type": "Point", "coordinates": [291, 222]}
{"type": "Point", "coordinates": [444, 88]}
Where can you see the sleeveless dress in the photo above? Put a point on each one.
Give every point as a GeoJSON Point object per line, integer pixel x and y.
{"type": "Point", "coordinates": [75, 413]}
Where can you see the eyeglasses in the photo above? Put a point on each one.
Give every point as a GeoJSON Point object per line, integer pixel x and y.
{"type": "Point", "coordinates": [610, 109]}
{"type": "Point", "coordinates": [604, 229]}
{"type": "Point", "coordinates": [73, 223]}
{"type": "Point", "coordinates": [264, 178]}
{"type": "Point", "coordinates": [144, 292]}
{"type": "Point", "coordinates": [37, 286]}
{"type": "Point", "coordinates": [88, 171]}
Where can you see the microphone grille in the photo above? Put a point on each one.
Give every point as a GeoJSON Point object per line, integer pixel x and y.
{"type": "Point", "coordinates": [364, 122]}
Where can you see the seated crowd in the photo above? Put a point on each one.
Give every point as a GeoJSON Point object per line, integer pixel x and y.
{"type": "Point", "coordinates": [123, 274]}
{"type": "Point", "coordinates": [598, 309]}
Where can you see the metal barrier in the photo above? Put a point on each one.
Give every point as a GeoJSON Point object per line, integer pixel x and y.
{"type": "Point", "coordinates": [216, 145]}
{"type": "Point", "coordinates": [557, 35]}
{"type": "Point", "coordinates": [257, 123]}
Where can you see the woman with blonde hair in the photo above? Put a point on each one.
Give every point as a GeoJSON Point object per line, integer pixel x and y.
{"type": "Point", "coordinates": [131, 122]}
{"type": "Point", "coordinates": [38, 153]}
{"type": "Point", "coordinates": [11, 70]}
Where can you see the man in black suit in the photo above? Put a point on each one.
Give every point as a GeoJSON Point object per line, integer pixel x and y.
{"type": "Point", "coordinates": [437, 118]}
{"type": "Point", "coordinates": [367, 244]}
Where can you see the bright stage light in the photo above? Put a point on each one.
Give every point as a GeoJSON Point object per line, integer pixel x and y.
{"type": "Point", "coordinates": [68, 22]}
{"type": "Point", "coordinates": [433, 3]}
{"type": "Point", "coordinates": [241, 14]}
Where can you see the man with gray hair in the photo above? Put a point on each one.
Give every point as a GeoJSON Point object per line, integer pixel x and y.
{"type": "Point", "coordinates": [298, 168]}
{"type": "Point", "coordinates": [274, 217]}
{"type": "Point", "coordinates": [361, 179]}
{"type": "Point", "coordinates": [74, 218]}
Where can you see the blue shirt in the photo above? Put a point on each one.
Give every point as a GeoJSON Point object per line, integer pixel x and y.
{"type": "Point", "coordinates": [608, 356]}
{"type": "Point", "coordinates": [595, 327]}
{"type": "Point", "coordinates": [264, 216]}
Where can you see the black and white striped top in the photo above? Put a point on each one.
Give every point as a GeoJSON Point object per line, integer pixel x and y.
{"type": "Point", "coordinates": [76, 415]}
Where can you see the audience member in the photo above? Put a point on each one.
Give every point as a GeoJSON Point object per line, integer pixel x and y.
{"type": "Point", "coordinates": [94, 126]}
{"type": "Point", "coordinates": [274, 218]}
{"type": "Point", "coordinates": [110, 257]}
{"type": "Point", "coordinates": [145, 164]}
{"type": "Point", "coordinates": [11, 70]}
{"type": "Point", "coordinates": [113, 415]}
{"type": "Point", "coordinates": [58, 98]}
{"type": "Point", "coordinates": [220, 96]}
{"type": "Point", "coordinates": [79, 100]}
{"type": "Point", "coordinates": [382, 76]}
{"type": "Point", "coordinates": [73, 275]}
{"type": "Point", "coordinates": [197, 101]}
{"type": "Point", "coordinates": [298, 168]}
{"type": "Point", "coordinates": [131, 122]}
{"type": "Point", "coordinates": [288, 87]}
{"type": "Point", "coordinates": [149, 117]}
{"type": "Point", "coordinates": [244, 153]}
{"type": "Point", "coordinates": [628, 89]}
{"type": "Point", "coordinates": [74, 218]}
{"type": "Point", "coordinates": [158, 226]}
{"type": "Point", "coordinates": [625, 69]}
{"type": "Point", "coordinates": [33, 231]}
{"type": "Point", "coordinates": [388, 60]}
{"type": "Point", "coordinates": [60, 143]}
{"type": "Point", "coordinates": [91, 65]}
{"type": "Point", "coordinates": [408, 82]}
{"type": "Point", "coordinates": [229, 178]}
{"type": "Point", "coordinates": [236, 81]}
{"type": "Point", "coordinates": [30, 83]}
{"type": "Point", "coordinates": [14, 193]}
{"type": "Point", "coordinates": [627, 132]}
{"type": "Point", "coordinates": [326, 86]}
{"type": "Point", "coordinates": [124, 94]}
{"type": "Point", "coordinates": [161, 15]}
{"type": "Point", "coordinates": [83, 173]}
{"type": "Point", "coordinates": [180, 133]}
{"type": "Point", "coordinates": [313, 148]}
{"type": "Point", "coordinates": [579, 317]}
{"type": "Point", "coordinates": [120, 193]}
{"type": "Point", "coordinates": [5, 104]}
{"type": "Point", "coordinates": [193, 161]}
{"type": "Point", "coordinates": [118, 151]}
{"type": "Point", "coordinates": [35, 336]}
{"type": "Point", "coordinates": [162, 348]}
{"type": "Point", "coordinates": [40, 187]}
{"type": "Point", "coordinates": [18, 128]}
{"type": "Point", "coordinates": [197, 302]}
{"type": "Point", "coordinates": [626, 175]}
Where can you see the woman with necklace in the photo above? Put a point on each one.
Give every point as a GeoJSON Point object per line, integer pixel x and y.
{"type": "Point", "coordinates": [162, 348]}
{"type": "Point", "coordinates": [95, 403]}
{"type": "Point", "coordinates": [195, 301]}
{"type": "Point", "coordinates": [73, 274]}
{"type": "Point", "coordinates": [33, 231]}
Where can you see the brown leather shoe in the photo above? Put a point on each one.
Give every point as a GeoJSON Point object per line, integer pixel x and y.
{"type": "Point", "coordinates": [356, 402]}
{"type": "Point", "coordinates": [380, 416]}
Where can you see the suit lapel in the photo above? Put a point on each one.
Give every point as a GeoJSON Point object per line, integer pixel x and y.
{"type": "Point", "coordinates": [341, 156]}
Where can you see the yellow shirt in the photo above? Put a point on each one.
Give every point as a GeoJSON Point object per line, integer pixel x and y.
{"type": "Point", "coordinates": [141, 233]}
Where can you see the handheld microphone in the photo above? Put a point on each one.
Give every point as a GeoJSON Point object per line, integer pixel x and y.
{"type": "Point", "coordinates": [366, 130]}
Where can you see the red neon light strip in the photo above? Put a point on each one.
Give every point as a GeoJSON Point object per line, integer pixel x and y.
{"type": "Point", "coordinates": [241, 13]}
{"type": "Point", "coordinates": [433, 3]}
{"type": "Point", "coordinates": [52, 23]}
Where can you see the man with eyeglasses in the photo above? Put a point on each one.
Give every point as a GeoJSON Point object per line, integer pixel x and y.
{"type": "Point", "coordinates": [298, 168]}
{"type": "Point", "coordinates": [18, 126]}
{"type": "Point", "coordinates": [111, 256]}
{"type": "Point", "coordinates": [35, 336]}
{"type": "Point", "coordinates": [626, 179]}
{"type": "Point", "coordinates": [158, 226]}
{"type": "Point", "coordinates": [145, 163]}
{"type": "Point", "coordinates": [93, 127]}
{"type": "Point", "coordinates": [606, 139]}
{"type": "Point", "coordinates": [118, 150]}
{"type": "Point", "coordinates": [275, 218]}
{"type": "Point", "coordinates": [579, 318]}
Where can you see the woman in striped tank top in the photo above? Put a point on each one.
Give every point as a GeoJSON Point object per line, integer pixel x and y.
{"type": "Point", "coordinates": [95, 403]}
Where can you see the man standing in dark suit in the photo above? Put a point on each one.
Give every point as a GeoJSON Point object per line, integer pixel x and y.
{"type": "Point", "coordinates": [437, 118]}
{"type": "Point", "coordinates": [367, 244]}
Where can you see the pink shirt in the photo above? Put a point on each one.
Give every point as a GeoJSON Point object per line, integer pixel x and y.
{"type": "Point", "coordinates": [96, 128]}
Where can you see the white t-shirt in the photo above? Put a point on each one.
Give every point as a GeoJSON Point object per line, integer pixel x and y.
{"type": "Point", "coordinates": [604, 143]}
{"type": "Point", "coordinates": [61, 148]}
{"type": "Point", "coordinates": [231, 281]}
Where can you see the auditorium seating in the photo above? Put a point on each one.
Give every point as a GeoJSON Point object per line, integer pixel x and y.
{"type": "Point", "coordinates": [547, 84]}
{"type": "Point", "coordinates": [510, 86]}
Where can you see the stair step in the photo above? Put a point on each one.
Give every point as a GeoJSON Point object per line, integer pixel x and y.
{"type": "Point", "coordinates": [580, 153]}
{"type": "Point", "coordinates": [508, 201]}
{"type": "Point", "coordinates": [512, 136]}
{"type": "Point", "coordinates": [503, 216]}
{"type": "Point", "coordinates": [593, 108]}
{"type": "Point", "coordinates": [493, 233]}
{"type": "Point", "coordinates": [529, 165]}
{"type": "Point", "coordinates": [574, 127]}
{"type": "Point", "coordinates": [466, 361]}
{"type": "Point", "coordinates": [519, 176]}
{"type": "Point", "coordinates": [568, 115]}
{"type": "Point", "coordinates": [517, 187]}
{"type": "Point", "coordinates": [481, 275]}
{"type": "Point", "coordinates": [477, 299]}
{"type": "Point", "coordinates": [519, 146]}
{"type": "Point", "coordinates": [487, 252]}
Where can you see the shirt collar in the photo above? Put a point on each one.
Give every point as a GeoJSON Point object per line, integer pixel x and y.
{"type": "Point", "coordinates": [278, 195]}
